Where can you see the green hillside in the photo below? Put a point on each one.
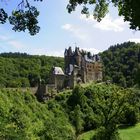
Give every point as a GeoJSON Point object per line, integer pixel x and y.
{"type": "Point", "coordinates": [122, 64]}
{"type": "Point", "coordinates": [98, 107]}
{"type": "Point", "coordinates": [22, 70]}
{"type": "Point", "coordinates": [22, 117]}
{"type": "Point", "coordinates": [130, 133]}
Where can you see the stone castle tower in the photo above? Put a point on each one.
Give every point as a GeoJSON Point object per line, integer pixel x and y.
{"type": "Point", "coordinates": [81, 67]}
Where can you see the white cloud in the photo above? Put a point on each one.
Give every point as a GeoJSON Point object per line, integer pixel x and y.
{"type": "Point", "coordinates": [107, 23]}
{"type": "Point", "coordinates": [136, 40]}
{"type": "Point", "coordinates": [92, 50]}
{"type": "Point", "coordinates": [76, 31]}
{"type": "Point", "coordinates": [61, 52]}
{"type": "Point", "coordinates": [44, 51]}
{"type": "Point", "coordinates": [15, 44]}
{"type": "Point", "coordinates": [89, 19]}
{"type": "Point", "coordinates": [67, 27]}
{"type": "Point", "coordinates": [56, 53]}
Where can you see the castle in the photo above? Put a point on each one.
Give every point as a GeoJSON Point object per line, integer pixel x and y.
{"type": "Point", "coordinates": [80, 67]}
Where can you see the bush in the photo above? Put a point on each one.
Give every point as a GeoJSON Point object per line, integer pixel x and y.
{"type": "Point", "coordinates": [130, 116]}
{"type": "Point", "coordinates": [103, 133]}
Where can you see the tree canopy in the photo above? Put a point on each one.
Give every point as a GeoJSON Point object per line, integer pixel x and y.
{"type": "Point", "coordinates": [23, 70]}
{"type": "Point", "coordinates": [121, 64]}
{"type": "Point", "coordinates": [129, 9]}
{"type": "Point", "coordinates": [25, 16]}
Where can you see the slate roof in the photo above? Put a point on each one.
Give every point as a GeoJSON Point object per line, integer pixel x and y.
{"type": "Point", "coordinates": [58, 71]}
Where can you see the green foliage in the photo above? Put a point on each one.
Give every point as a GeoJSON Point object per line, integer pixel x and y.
{"type": "Point", "coordinates": [132, 110]}
{"type": "Point", "coordinates": [3, 16]}
{"type": "Point", "coordinates": [130, 116]}
{"type": "Point", "coordinates": [102, 107]}
{"type": "Point", "coordinates": [121, 64]}
{"type": "Point", "coordinates": [77, 97]}
{"type": "Point", "coordinates": [25, 16]}
{"type": "Point", "coordinates": [23, 117]}
{"type": "Point", "coordinates": [129, 9]}
{"type": "Point", "coordinates": [137, 77]}
{"type": "Point", "coordinates": [22, 20]}
{"type": "Point", "coordinates": [22, 70]}
{"type": "Point", "coordinates": [77, 119]}
{"type": "Point", "coordinates": [105, 134]}
{"type": "Point", "coordinates": [108, 105]}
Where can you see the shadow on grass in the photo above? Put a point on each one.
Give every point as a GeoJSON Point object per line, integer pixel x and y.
{"type": "Point", "coordinates": [125, 126]}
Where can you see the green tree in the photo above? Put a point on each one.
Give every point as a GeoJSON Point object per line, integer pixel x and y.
{"type": "Point", "coordinates": [109, 104]}
{"type": "Point", "coordinates": [77, 97]}
{"type": "Point", "coordinates": [23, 70]}
{"type": "Point", "coordinates": [129, 9]}
{"type": "Point", "coordinates": [23, 117]}
{"type": "Point", "coordinates": [137, 76]}
{"type": "Point", "coordinates": [25, 16]}
{"type": "Point", "coordinates": [77, 119]}
{"type": "Point", "coordinates": [121, 64]}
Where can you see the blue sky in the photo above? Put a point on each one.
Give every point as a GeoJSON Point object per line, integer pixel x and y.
{"type": "Point", "coordinates": [60, 30]}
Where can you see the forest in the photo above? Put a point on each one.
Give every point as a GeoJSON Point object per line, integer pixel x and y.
{"type": "Point", "coordinates": [121, 65]}
{"type": "Point", "coordinates": [23, 70]}
{"type": "Point", "coordinates": [106, 108]}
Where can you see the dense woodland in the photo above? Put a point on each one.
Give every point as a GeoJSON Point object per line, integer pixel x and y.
{"type": "Point", "coordinates": [25, 16]}
{"type": "Point", "coordinates": [23, 70]}
{"type": "Point", "coordinates": [98, 107]}
{"type": "Point", "coordinates": [101, 107]}
{"type": "Point", "coordinates": [121, 65]}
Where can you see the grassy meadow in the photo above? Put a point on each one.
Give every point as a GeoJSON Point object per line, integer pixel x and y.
{"type": "Point", "coordinates": [130, 133]}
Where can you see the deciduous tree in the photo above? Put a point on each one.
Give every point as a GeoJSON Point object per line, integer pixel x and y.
{"type": "Point", "coordinates": [25, 17]}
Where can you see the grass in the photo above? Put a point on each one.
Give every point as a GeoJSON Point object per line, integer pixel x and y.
{"type": "Point", "coordinates": [86, 136]}
{"type": "Point", "coordinates": [130, 133]}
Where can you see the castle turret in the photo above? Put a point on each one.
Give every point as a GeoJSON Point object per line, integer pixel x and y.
{"type": "Point", "coordinates": [77, 55]}
{"type": "Point", "coordinates": [66, 52]}
{"type": "Point", "coordinates": [70, 51]}
{"type": "Point", "coordinates": [68, 57]}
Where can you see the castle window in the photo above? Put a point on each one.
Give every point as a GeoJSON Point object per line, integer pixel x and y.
{"type": "Point", "coordinates": [89, 69]}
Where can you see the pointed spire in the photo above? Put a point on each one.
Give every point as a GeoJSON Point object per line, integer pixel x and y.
{"type": "Point", "coordinates": [66, 52]}
{"type": "Point", "coordinates": [69, 51]}
{"type": "Point", "coordinates": [77, 51]}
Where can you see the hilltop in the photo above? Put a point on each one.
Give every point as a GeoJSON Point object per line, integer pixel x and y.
{"type": "Point", "coordinates": [121, 66]}
{"type": "Point", "coordinates": [23, 70]}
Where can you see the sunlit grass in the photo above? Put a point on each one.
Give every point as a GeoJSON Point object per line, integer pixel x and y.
{"type": "Point", "coordinates": [130, 133]}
